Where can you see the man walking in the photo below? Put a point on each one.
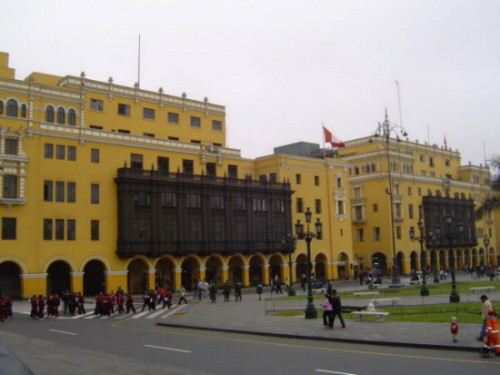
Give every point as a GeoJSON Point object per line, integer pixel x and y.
{"type": "Point", "coordinates": [484, 315]}
{"type": "Point", "coordinates": [336, 308]}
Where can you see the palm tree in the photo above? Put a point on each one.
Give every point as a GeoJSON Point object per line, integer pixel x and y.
{"type": "Point", "coordinates": [493, 201]}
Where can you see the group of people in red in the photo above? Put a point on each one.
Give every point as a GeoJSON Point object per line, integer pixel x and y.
{"type": "Point", "coordinates": [5, 308]}
{"type": "Point", "coordinates": [107, 304]}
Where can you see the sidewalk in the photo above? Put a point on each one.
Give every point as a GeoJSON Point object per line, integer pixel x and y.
{"type": "Point", "coordinates": [249, 317]}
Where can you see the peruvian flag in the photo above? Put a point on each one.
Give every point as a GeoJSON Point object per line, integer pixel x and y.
{"type": "Point", "coordinates": [334, 141]}
{"type": "Point", "coordinates": [445, 143]}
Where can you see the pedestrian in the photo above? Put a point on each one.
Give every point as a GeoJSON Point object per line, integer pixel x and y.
{"type": "Point", "coordinates": [145, 301]}
{"type": "Point", "coordinates": [454, 329]}
{"type": "Point", "coordinates": [34, 307]}
{"type": "Point", "coordinates": [80, 303]}
{"type": "Point", "coordinates": [491, 334]}
{"type": "Point", "coordinates": [167, 299]}
{"type": "Point", "coordinates": [41, 307]}
{"type": "Point", "coordinates": [277, 284]}
{"type": "Point", "coordinates": [484, 315]}
{"type": "Point", "coordinates": [336, 308]}
{"type": "Point", "coordinates": [119, 302]}
{"type": "Point", "coordinates": [237, 290]}
{"type": "Point", "coordinates": [303, 280]}
{"type": "Point", "coordinates": [327, 312]}
{"type": "Point", "coordinates": [182, 297]}
{"type": "Point", "coordinates": [130, 303]}
{"type": "Point", "coordinates": [213, 292]}
{"type": "Point", "coordinates": [226, 287]}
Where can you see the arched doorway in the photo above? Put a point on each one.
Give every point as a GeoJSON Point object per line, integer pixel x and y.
{"type": "Point", "coordinates": [164, 276]}
{"type": "Point", "coordinates": [58, 278]}
{"type": "Point", "coordinates": [442, 260]}
{"type": "Point", "coordinates": [414, 261]}
{"type": "Point", "coordinates": [275, 267]}
{"type": "Point", "coordinates": [379, 261]}
{"type": "Point", "coordinates": [342, 270]}
{"type": "Point", "coordinates": [459, 262]}
{"type": "Point", "coordinates": [301, 268]}
{"type": "Point", "coordinates": [93, 278]}
{"type": "Point", "coordinates": [137, 276]}
{"type": "Point", "coordinates": [190, 274]}
{"type": "Point", "coordinates": [235, 269]}
{"type": "Point", "coordinates": [320, 267]}
{"type": "Point", "coordinates": [212, 271]}
{"type": "Point", "coordinates": [255, 270]}
{"type": "Point", "coordinates": [9, 279]}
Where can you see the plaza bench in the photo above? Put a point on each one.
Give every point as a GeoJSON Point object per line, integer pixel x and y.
{"type": "Point", "coordinates": [377, 314]}
{"type": "Point", "coordinates": [381, 301]}
{"type": "Point", "coordinates": [375, 285]}
{"type": "Point", "coordinates": [373, 294]}
{"type": "Point", "coordinates": [487, 288]}
{"type": "Point", "coordinates": [319, 291]}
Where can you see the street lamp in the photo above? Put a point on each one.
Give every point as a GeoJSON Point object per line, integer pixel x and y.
{"type": "Point", "coordinates": [424, 291]}
{"type": "Point", "coordinates": [310, 312]}
{"type": "Point", "coordinates": [433, 242]}
{"type": "Point", "coordinates": [454, 296]}
{"type": "Point", "coordinates": [289, 243]}
{"type": "Point", "coordinates": [486, 241]}
{"type": "Point", "coordinates": [491, 272]}
{"type": "Point", "coordinates": [384, 130]}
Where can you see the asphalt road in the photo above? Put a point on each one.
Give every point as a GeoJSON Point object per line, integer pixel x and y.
{"type": "Point", "coordinates": [138, 346]}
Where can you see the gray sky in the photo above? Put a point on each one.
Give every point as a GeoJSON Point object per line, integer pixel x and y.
{"type": "Point", "coordinates": [283, 68]}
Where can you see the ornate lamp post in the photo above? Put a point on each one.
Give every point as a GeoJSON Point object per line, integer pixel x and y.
{"type": "Point", "coordinates": [424, 291]}
{"type": "Point", "coordinates": [435, 239]}
{"type": "Point", "coordinates": [310, 312]}
{"type": "Point", "coordinates": [486, 241]}
{"type": "Point", "coordinates": [454, 296]}
{"type": "Point", "coordinates": [289, 243]}
{"type": "Point", "coordinates": [384, 130]}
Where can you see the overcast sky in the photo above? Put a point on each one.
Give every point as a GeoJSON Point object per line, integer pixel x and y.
{"type": "Point", "coordinates": [284, 68]}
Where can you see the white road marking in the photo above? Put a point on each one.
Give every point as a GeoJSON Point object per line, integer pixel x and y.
{"type": "Point", "coordinates": [333, 372]}
{"type": "Point", "coordinates": [65, 332]}
{"type": "Point", "coordinates": [171, 349]}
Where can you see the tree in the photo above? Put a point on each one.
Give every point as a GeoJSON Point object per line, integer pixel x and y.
{"type": "Point", "coordinates": [493, 201]}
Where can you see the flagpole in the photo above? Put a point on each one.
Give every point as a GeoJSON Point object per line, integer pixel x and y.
{"type": "Point", "coordinates": [324, 140]}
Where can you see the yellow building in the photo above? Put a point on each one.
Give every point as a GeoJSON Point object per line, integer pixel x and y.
{"type": "Point", "coordinates": [105, 185]}
{"type": "Point", "coordinates": [421, 182]}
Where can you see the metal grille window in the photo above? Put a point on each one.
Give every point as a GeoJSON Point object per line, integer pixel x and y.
{"type": "Point", "coordinates": [61, 116]}
{"type": "Point", "coordinates": [60, 152]}
{"type": "Point", "coordinates": [47, 229]}
{"type": "Point", "coordinates": [71, 230]}
{"type": "Point", "coordinates": [148, 113]}
{"type": "Point", "coordinates": [72, 117]}
{"type": "Point", "coordinates": [72, 153]}
{"type": "Point", "coordinates": [59, 191]}
{"type": "Point", "coordinates": [96, 105]}
{"type": "Point", "coordinates": [47, 191]}
{"type": "Point", "coordinates": [59, 229]}
{"type": "Point", "coordinates": [94, 230]}
{"type": "Point", "coordinates": [216, 125]}
{"type": "Point", "coordinates": [94, 155]}
{"type": "Point", "coordinates": [9, 226]}
{"type": "Point", "coordinates": [9, 186]}
{"type": "Point", "coordinates": [94, 193]}
{"type": "Point", "coordinates": [195, 122]}
{"type": "Point", "coordinates": [49, 151]}
{"type": "Point", "coordinates": [71, 192]}
{"type": "Point", "coordinates": [11, 146]}
{"type": "Point", "coordinates": [173, 118]}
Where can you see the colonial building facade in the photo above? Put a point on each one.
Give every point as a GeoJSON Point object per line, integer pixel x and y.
{"type": "Point", "coordinates": [104, 185]}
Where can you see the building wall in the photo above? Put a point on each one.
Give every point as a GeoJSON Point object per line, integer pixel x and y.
{"type": "Point", "coordinates": [331, 188]}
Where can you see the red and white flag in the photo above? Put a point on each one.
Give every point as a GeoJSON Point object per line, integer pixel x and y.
{"type": "Point", "coordinates": [330, 138]}
{"type": "Point", "coordinates": [445, 143]}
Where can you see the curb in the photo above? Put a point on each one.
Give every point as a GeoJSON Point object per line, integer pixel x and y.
{"type": "Point", "coordinates": [315, 338]}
